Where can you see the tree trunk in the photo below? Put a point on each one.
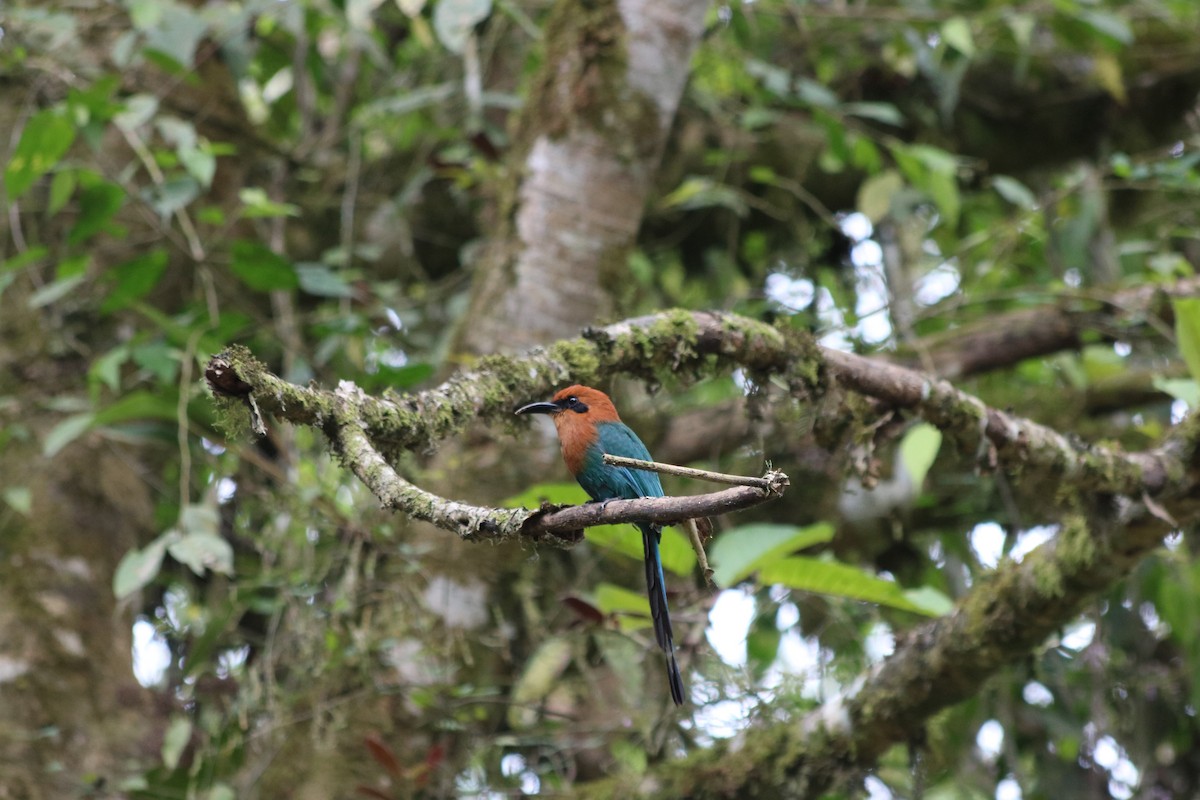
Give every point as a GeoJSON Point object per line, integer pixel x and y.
{"type": "Point", "coordinates": [588, 143]}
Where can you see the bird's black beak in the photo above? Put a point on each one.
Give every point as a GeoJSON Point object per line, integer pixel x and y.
{"type": "Point", "coordinates": [539, 408]}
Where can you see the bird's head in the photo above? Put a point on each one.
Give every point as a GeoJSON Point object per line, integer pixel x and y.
{"type": "Point", "coordinates": [592, 405]}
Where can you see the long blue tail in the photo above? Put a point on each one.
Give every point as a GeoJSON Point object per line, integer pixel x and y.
{"type": "Point", "coordinates": [656, 588]}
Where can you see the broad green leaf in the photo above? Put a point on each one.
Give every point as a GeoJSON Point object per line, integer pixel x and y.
{"type": "Point", "coordinates": [200, 163]}
{"type": "Point", "coordinates": [200, 551]}
{"type": "Point", "coordinates": [134, 279]}
{"type": "Point", "coordinates": [137, 111]}
{"type": "Point", "coordinates": [1108, 24]}
{"type": "Point", "coordinates": [956, 32]}
{"type": "Point", "coordinates": [1014, 192]}
{"type": "Point", "coordinates": [106, 369]}
{"type": "Point", "coordinates": [741, 551]}
{"type": "Point", "coordinates": [257, 204]}
{"type": "Point", "coordinates": [160, 358]}
{"type": "Point", "coordinates": [559, 494]}
{"type": "Point", "coordinates": [139, 567]}
{"type": "Point", "coordinates": [98, 202]}
{"type": "Point", "coordinates": [173, 194]}
{"type": "Point", "coordinates": [66, 432]}
{"type": "Point", "coordinates": [261, 269]}
{"type": "Point", "coordinates": [1184, 389]}
{"type": "Point", "coordinates": [841, 580]}
{"type": "Point", "coordinates": [320, 280]}
{"type": "Point", "coordinates": [699, 192]}
{"type": "Point", "coordinates": [138, 405]}
{"type": "Point", "coordinates": [918, 449]}
{"type": "Point", "coordinates": [62, 186]}
{"type": "Point", "coordinates": [934, 602]}
{"type": "Point", "coordinates": [1187, 332]}
{"type": "Point", "coordinates": [19, 498]}
{"type": "Point", "coordinates": [44, 141]}
{"type": "Point", "coordinates": [53, 292]}
{"type": "Point", "coordinates": [454, 20]}
{"type": "Point", "coordinates": [875, 194]}
{"type": "Point", "coordinates": [221, 791]}
{"type": "Point", "coordinates": [403, 377]}
{"type": "Point", "coordinates": [880, 112]}
{"type": "Point", "coordinates": [675, 550]}
{"type": "Point", "coordinates": [613, 599]}
{"type": "Point", "coordinates": [199, 544]}
{"type": "Point", "coordinates": [178, 734]}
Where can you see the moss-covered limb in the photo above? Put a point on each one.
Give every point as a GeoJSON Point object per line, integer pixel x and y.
{"type": "Point", "coordinates": [349, 438]}
{"type": "Point", "coordinates": [698, 344]}
{"type": "Point", "coordinates": [558, 526]}
{"type": "Point", "coordinates": [1000, 438]}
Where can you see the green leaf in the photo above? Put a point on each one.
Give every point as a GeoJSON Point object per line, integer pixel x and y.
{"type": "Point", "coordinates": [66, 432]}
{"type": "Point", "coordinates": [880, 112]}
{"type": "Point", "coordinates": [1108, 24]}
{"type": "Point", "coordinates": [197, 542]}
{"type": "Point", "coordinates": [137, 110]}
{"type": "Point", "coordinates": [741, 551]}
{"type": "Point", "coordinates": [320, 280]}
{"type": "Point", "coordinates": [19, 499]}
{"type": "Point", "coordinates": [134, 279]}
{"type": "Point", "coordinates": [200, 163]}
{"type": "Point", "coordinates": [98, 202]}
{"type": "Point", "coordinates": [934, 602]}
{"type": "Point", "coordinates": [178, 734]}
{"type": "Point", "coordinates": [106, 369]}
{"type": "Point", "coordinates": [258, 205]}
{"type": "Point", "coordinates": [918, 449]}
{"type": "Point", "coordinates": [676, 552]}
{"type": "Point", "coordinates": [53, 292]}
{"type": "Point", "coordinates": [613, 599]}
{"type": "Point", "coordinates": [200, 551]}
{"type": "Point", "coordinates": [624, 539]}
{"type": "Point", "coordinates": [956, 32]}
{"type": "Point", "coordinates": [221, 791]}
{"type": "Point", "coordinates": [1014, 192]}
{"type": "Point", "coordinates": [44, 141]}
{"type": "Point", "coordinates": [139, 567]}
{"type": "Point", "coordinates": [62, 186]}
{"type": "Point", "coordinates": [699, 192]}
{"type": "Point", "coordinates": [1184, 389]}
{"type": "Point", "coordinates": [138, 405]}
{"type": "Point", "coordinates": [559, 494]}
{"type": "Point", "coordinates": [173, 194]}
{"type": "Point", "coordinates": [402, 377]}
{"type": "Point", "coordinates": [1187, 332]}
{"type": "Point", "coordinates": [841, 580]}
{"type": "Point", "coordinates": [454, 20]}
{"type": "Point", "coordinates": [261, 269]}
{"type": "Point", "coordinates": [875, 194]}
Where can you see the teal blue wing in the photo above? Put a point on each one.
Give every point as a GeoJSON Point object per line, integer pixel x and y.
{"type": "Point", "coordinates": [617, 439]}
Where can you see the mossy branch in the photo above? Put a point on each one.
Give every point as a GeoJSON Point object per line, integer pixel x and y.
{"type": "Point", "coordinates": [700, 344]}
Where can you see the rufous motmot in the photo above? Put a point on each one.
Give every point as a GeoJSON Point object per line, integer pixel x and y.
{"type": "Point", "coordinates": [588, 427]}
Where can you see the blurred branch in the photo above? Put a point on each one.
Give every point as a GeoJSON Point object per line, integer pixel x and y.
{"type": "Point", "coordinates": [1006, 339]}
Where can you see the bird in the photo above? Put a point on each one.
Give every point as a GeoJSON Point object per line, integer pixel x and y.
{"type": "Point", "coordinates": [588, 427]}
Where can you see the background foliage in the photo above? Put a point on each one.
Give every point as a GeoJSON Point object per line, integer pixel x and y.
{"type": "Point", "coordinates": [315, 179]}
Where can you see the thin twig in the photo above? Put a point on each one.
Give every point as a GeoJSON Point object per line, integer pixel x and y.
{"type": "Point", "coordinates": [772, 482]}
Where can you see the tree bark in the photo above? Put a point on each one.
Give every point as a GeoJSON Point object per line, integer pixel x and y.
{"type": "Point", "coordinates": [588, 144]}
